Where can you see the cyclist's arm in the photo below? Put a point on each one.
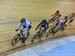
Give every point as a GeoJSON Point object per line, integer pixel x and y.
{"type": "Point", "coordinates": [38, 26]}
{"type": "Point", "coordinates": [60, 15]}
{"type": "Point", "coordinates": [20, 26]}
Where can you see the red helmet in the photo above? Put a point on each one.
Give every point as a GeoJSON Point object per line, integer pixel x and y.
{"type": "Point", "coordinates": [57, 11]}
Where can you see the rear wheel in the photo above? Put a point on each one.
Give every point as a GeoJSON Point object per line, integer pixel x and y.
{"type": "Point", "coordinates": [34, 37]}
{"type": "Point", "coordinates": [48, 33]}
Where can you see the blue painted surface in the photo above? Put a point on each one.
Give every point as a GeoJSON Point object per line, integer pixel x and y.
{"type": "Point", "coordinates": [59, 47]}
{"type": "Point", "coordinates": [65, 50]}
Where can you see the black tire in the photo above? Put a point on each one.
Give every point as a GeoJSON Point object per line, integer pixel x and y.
{"type": "Point", "coordinates": [34, 37]}
{"type": "Point", "coordinates": [54, 32]}
{"type": "Point", "coordinates": [23, 40]}
{"type": "Point", "coordinates": [63, 27]}
{"type": "Point", "coordinates": [15, 40]}
{"type": "Point", "coordinates": [48, 33]}
{"type": "Point", "coordinates": [38, 35]}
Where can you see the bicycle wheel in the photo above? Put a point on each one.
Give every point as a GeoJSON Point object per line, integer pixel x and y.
{"type": "Point", "coordinates": [63, 28]}
{"type": "Point", "coordinates": [34, 37]}
{"type": "Point", "coordinates": [48, 33]}
{"type": "Point", "coordinates": [15, 40]}
{"type": "Point", "coordinates": [41, 34]}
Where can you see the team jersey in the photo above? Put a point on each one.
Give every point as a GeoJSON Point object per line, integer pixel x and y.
{"type": "Point", "coordinates": [24, 25]}
{"type": "Point", "coordinates": [44, 24]}
{"type": "Point", "coordinates": [60, 21]}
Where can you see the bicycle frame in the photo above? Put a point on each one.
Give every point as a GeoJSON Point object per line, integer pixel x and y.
{"type": "Point", "coordinates": [51, 27]}
{"type": "Point", "coordinates": [17, 38]}
{"type": "Point", "coordinates": [38, 34]}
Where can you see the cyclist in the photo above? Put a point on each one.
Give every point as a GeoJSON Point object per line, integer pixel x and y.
{"type": "Point", "coordinates": [58, 26]}
{"type": "Point", "coordinates": [68, 20]}
{"type": "Point", "coordinates": [43, 24]}
{"type": "Point", "coordinates": [24, 26]}
{"type": "Point", "coordinates": [71, 16]}
{"type": "Point", "coordinates": [54, 16]}
{"type": "Point", "coordinates": [41, 27]}
{"type": "Point", "coordinates": [63, 22]}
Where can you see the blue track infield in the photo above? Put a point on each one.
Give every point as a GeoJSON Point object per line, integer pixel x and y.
{"type": "Point", "coordinates": [59, 47]}
{"type": "Point", "coordinates": [64, 50]}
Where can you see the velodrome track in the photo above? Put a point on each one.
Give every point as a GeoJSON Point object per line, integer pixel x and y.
{"type": "Point", "coordinates": [11, 11]}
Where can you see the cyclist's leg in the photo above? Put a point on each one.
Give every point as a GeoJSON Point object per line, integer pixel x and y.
{"type": "Point", "coordinates": [46, 28]}
{"type": "Point", "coordinates": [62, 28]}
{"type": "Point", "coordinates": [25, 36]}
{"type": "Point", "coordinates": [28, 33]}
{"type": "Point", "coordinates": [55, 29]}
{"type": "Point", "coordinates": [39, 33]}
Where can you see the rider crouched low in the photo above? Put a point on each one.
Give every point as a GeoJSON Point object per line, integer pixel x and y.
{"type": "Point", "coordinates": [24, 27]}
{"type": "Point", "coordinates": [55, 16]}
{"type": "Point", "coordinates": [62, 23]}
{"type": "Point", "coordinates": [58, 26]}
{"type": "Point", "coordinates": [43, 24]}
{"type": "Point", "coordinates": [68, 20]}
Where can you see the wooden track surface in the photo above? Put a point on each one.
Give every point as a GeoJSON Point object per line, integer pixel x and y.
{"type": "Point", "coordinates": [11, 11]}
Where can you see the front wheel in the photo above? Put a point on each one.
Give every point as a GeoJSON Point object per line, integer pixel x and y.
{"type": "Point", "coordinates": [15, 40]}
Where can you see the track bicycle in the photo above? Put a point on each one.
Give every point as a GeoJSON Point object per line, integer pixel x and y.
{"type": "Point", "coordinates": [18, 37]}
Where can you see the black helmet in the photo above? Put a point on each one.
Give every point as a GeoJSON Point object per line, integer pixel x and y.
{"type": "Point", "coordinates": [66, 17]}
{"type": "Point", "coordinates": [44, 20]}
{"type": "Point", "coordinates": [23, 20]}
